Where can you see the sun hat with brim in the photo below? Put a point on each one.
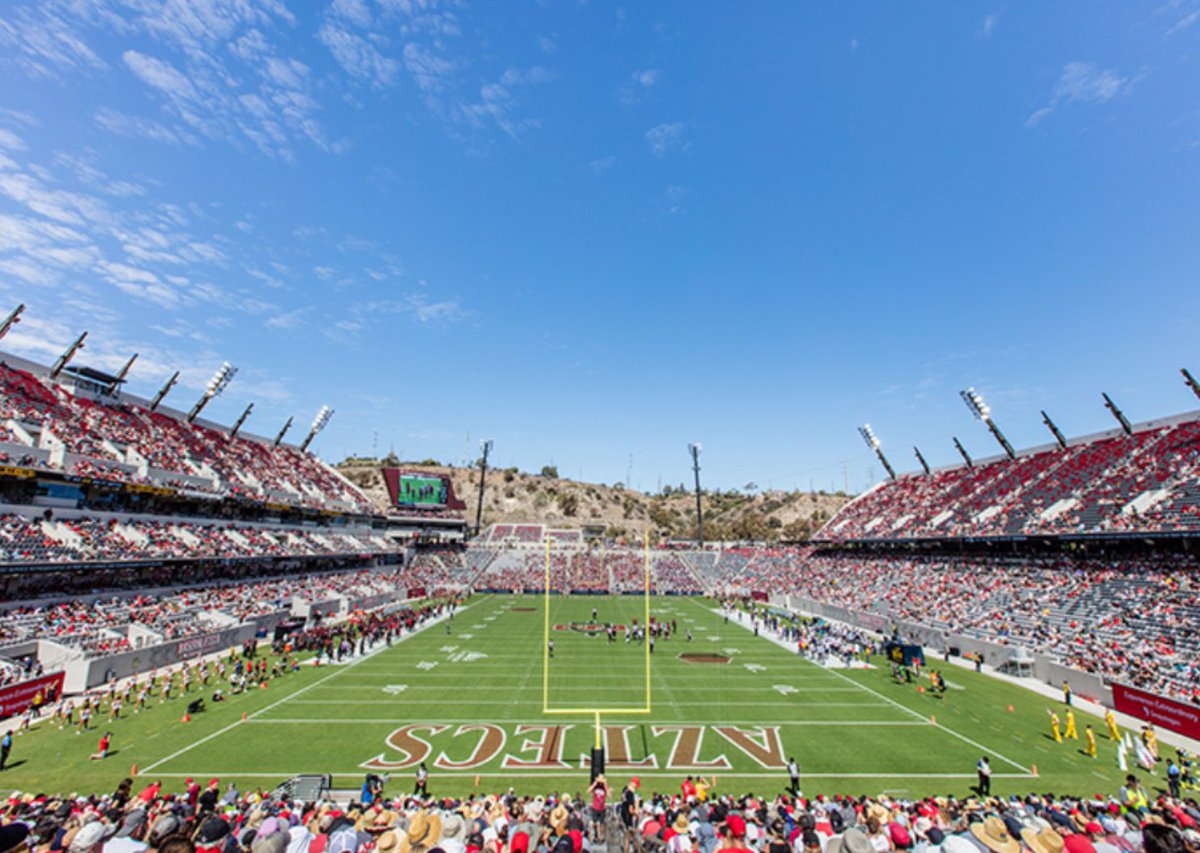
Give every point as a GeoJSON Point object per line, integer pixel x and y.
{"type": "Point", "coordinates": [274, 842]}
{"type": "Point", "coordinates": [850, 841]}
{"type": "Point", "coordinates": [88, 836]}
{"type": "Point", "coordinates": [958, 844]}
{"type": "Point", "coordinates": [424, 830]}
{"type": "Point", "coordinates": [1044, 840]}
{"type": "Point", "coordinates": [681, 824]}
{"type": "Point", "coordinates": [388, 842]}
{"type": "Point", "coordinates": [454, 828]}
{"type": "Point", "coordinates": [993, 834]}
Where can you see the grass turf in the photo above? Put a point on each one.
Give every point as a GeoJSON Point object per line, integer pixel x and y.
{"type": "Point", "coordinates": [479, 689]}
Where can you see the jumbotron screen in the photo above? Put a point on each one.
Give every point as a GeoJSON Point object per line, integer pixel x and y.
{"type": "Point", "coordinates": [416, 490]}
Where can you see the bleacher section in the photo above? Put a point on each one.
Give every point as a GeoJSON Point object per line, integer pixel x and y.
{"type": "Point", "coordinates": [1112, 483]}
{"type": "Point", "coordinates": [47, 426]}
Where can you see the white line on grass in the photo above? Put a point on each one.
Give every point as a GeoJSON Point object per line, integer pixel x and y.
{"type": "Point", "coordinates": [392, 721]}
{"type": "Point", "coordinates": [673, 774]}
{"type": "Point", "coordinates": [251, 717]}
{"type": "Point", "coordinates": [916, 714]}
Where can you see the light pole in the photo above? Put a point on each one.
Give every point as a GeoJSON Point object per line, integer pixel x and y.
{"type": "Point", "coordinates": [486, 447]}
{"type": "Point", "coordinates": [868, 435]}
{"type": "Point", "coordinates": [982, 412]}
{"type": "Point", "coordinates": [694, 448]}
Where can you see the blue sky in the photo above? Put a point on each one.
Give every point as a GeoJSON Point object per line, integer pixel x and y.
{"type": "Point", "coordinates": [595, 232]}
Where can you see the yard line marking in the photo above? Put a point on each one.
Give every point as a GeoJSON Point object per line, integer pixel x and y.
{"type": "Point", "coordinates": [338, 671]}
{"type": "Point", "coordinates": [565, 774]}
{"type": "Point", "coordinates": [392, 721]}
{"type": "Point", "coordinates": [918, 715]}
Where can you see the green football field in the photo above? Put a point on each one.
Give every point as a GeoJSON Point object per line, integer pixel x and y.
{"type": "Point", "coordinates": [472, 704]}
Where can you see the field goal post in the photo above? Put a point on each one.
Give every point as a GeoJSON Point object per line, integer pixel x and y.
{"type": "Point", "coordinates": [597, 764]}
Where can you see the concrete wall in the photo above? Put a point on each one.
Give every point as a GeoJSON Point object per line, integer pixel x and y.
{"type": "Point", "coordinates": [84, 674]}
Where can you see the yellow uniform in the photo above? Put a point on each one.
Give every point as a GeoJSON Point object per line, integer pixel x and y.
{"type": "Point", "coordinates": [1110, 720]}
{"type": "Point", "coordinates": [1091, 741]}
{"type": "Point", "coordinates": [1054, 728]}
{"type": "Point", "coordinates": [1151, 740]}
{"type": "Point", "coordinates": [1071, 732]}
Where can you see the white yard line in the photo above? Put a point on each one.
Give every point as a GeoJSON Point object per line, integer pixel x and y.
{"type": "Point", "coordinates": [337, 671]}
{"type": "Point", "coordinates": [673, 774]}
{"type": "Point", "coordinates": [392, 721]}
{"type": "Point", "coordinates": [910, 711]}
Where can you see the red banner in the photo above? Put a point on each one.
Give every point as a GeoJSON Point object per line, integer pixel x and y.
{"type": "Point", "coordinates": [1167, 713]}
{"type": "Point", "coordinates": [17, 697]}
{"type": "Point", "coordinates": [759, 595]}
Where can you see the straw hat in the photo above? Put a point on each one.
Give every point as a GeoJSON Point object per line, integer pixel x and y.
{"type": "Point", "coordinates": [1044, 840]}
{"type": "Point", "coordinates": [994, 835]}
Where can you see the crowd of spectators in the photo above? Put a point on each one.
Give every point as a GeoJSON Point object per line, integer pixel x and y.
{"type": "Point", "coordinates": [105, 539]}
{"type": "Point", "coordinates": [1133, 621]}
{"type": "Point", "coordinates": [120, 439]}
{"type": "Point", "coordinates": [613, 570]}
{"type": "Point", "coordinates": [101, 625]}
{"type": "Point", "coordinates": [1146, 481]}
{"type": "Point", "coordinates": [208, 816]}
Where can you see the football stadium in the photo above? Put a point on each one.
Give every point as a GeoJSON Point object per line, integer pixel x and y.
{"type": "Point", "coordinates": [303, 307]}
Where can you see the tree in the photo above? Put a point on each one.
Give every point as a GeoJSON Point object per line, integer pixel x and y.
{"type": "Point", "coordinates": [568, 502]}
{"type": "Point", "coordinates": [550, 472]}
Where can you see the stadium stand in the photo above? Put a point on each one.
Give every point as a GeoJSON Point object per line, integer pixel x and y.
{"type": "Point", "coordinates": [1145, 482]}
{"type": "Point", "coordinates": [121, 441]}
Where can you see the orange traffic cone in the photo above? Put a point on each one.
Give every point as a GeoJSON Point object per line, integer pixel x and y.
{"type": "Point", "coordinates": [263, 685]}
{"type": "Point", "coordinates": [1033, 770]}
{"type": "Point", "coordinates": [920, 689]}
{"type": "Point", "coordinates": [476, 780]}
{"type": "Point", "coordinates": [133, 770]}
{"type": "Point", "coordinates": [1010, 710]}
{"type": "Point", "coordinates": [243, 716]}
{"type": "Point", "coordinates": [933, 719]}
{"type": "Point", "coordinates": [187, 718]}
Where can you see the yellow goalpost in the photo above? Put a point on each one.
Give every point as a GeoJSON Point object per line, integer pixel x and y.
{"type": "Point", "coordinates": [596, 712]}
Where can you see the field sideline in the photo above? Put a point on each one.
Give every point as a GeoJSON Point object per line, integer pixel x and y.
{"type": "Point", "coordinates": [470, 704]}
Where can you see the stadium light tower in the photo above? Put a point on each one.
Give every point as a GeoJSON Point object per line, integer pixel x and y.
{"type": "Point", "coordinates": [67, 355]}
{"type": "Point", "coordinates": [11, 320]}
{"type": "Point", "coordinates": [485, 448]}
{"type": "Point", "coordinates": [921, 459]}
{"type": "Point", "coordinates": [966, 456]}
{"type": "Point", "coordinates": [162, 392]}
{"type": "Point", "coordinates": [286, 426]}
{"type": "Point", "coordinates": [241, 420]}
{"type": "Point", "coordinates": [868, 435]}
{"type": "Point", "coordinates": [318, 424]}
{"type": "Point", "coordinates": [124, 371]}
{"type": "Point", "coordinates": [983, 412]}
{"type": "Point", "coordinates": [219, 382]}
{"type": "Point", "coordinates": [1117, 413]}
{"type": "Point", "coordinates": [694, 448]}
{"type": "Point", "coordinates": [1054, 430]}
{"type": "Point", "coordinates": [1187, 378]}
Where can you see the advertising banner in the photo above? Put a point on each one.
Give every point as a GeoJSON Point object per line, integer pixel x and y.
{"type": "Point", "coordinates": [15, 698]}
{"type": "Point", "coordinates": [1166, 713]}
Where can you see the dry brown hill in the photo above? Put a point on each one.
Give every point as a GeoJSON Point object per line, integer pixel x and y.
{"type": "Point", "coordinates": [512, 495]}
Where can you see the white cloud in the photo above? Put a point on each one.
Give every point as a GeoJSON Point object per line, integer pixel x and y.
{"type": "Point", "coordinates": [1081, 82]}
{"type": "Point", "coordinates": [358, 56]}
{"type": "Point", "coordinates": [121, 124]}
{"type": "Point", "coordinates": [601, 164]}
{"type": "Point", "coordinates": [286, 320]}
{"type": "Point", "coordinates": [10, 141]}
{"type": "Point", "coordinates": [989, 24]}
{"type": "Point", "coordinates": [161, 75]}
{"type": "Point", "coordinates": [664, 138]}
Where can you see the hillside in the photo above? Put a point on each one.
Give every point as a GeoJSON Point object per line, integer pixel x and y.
{"type": "Point", "coordinates": [512, 495]}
